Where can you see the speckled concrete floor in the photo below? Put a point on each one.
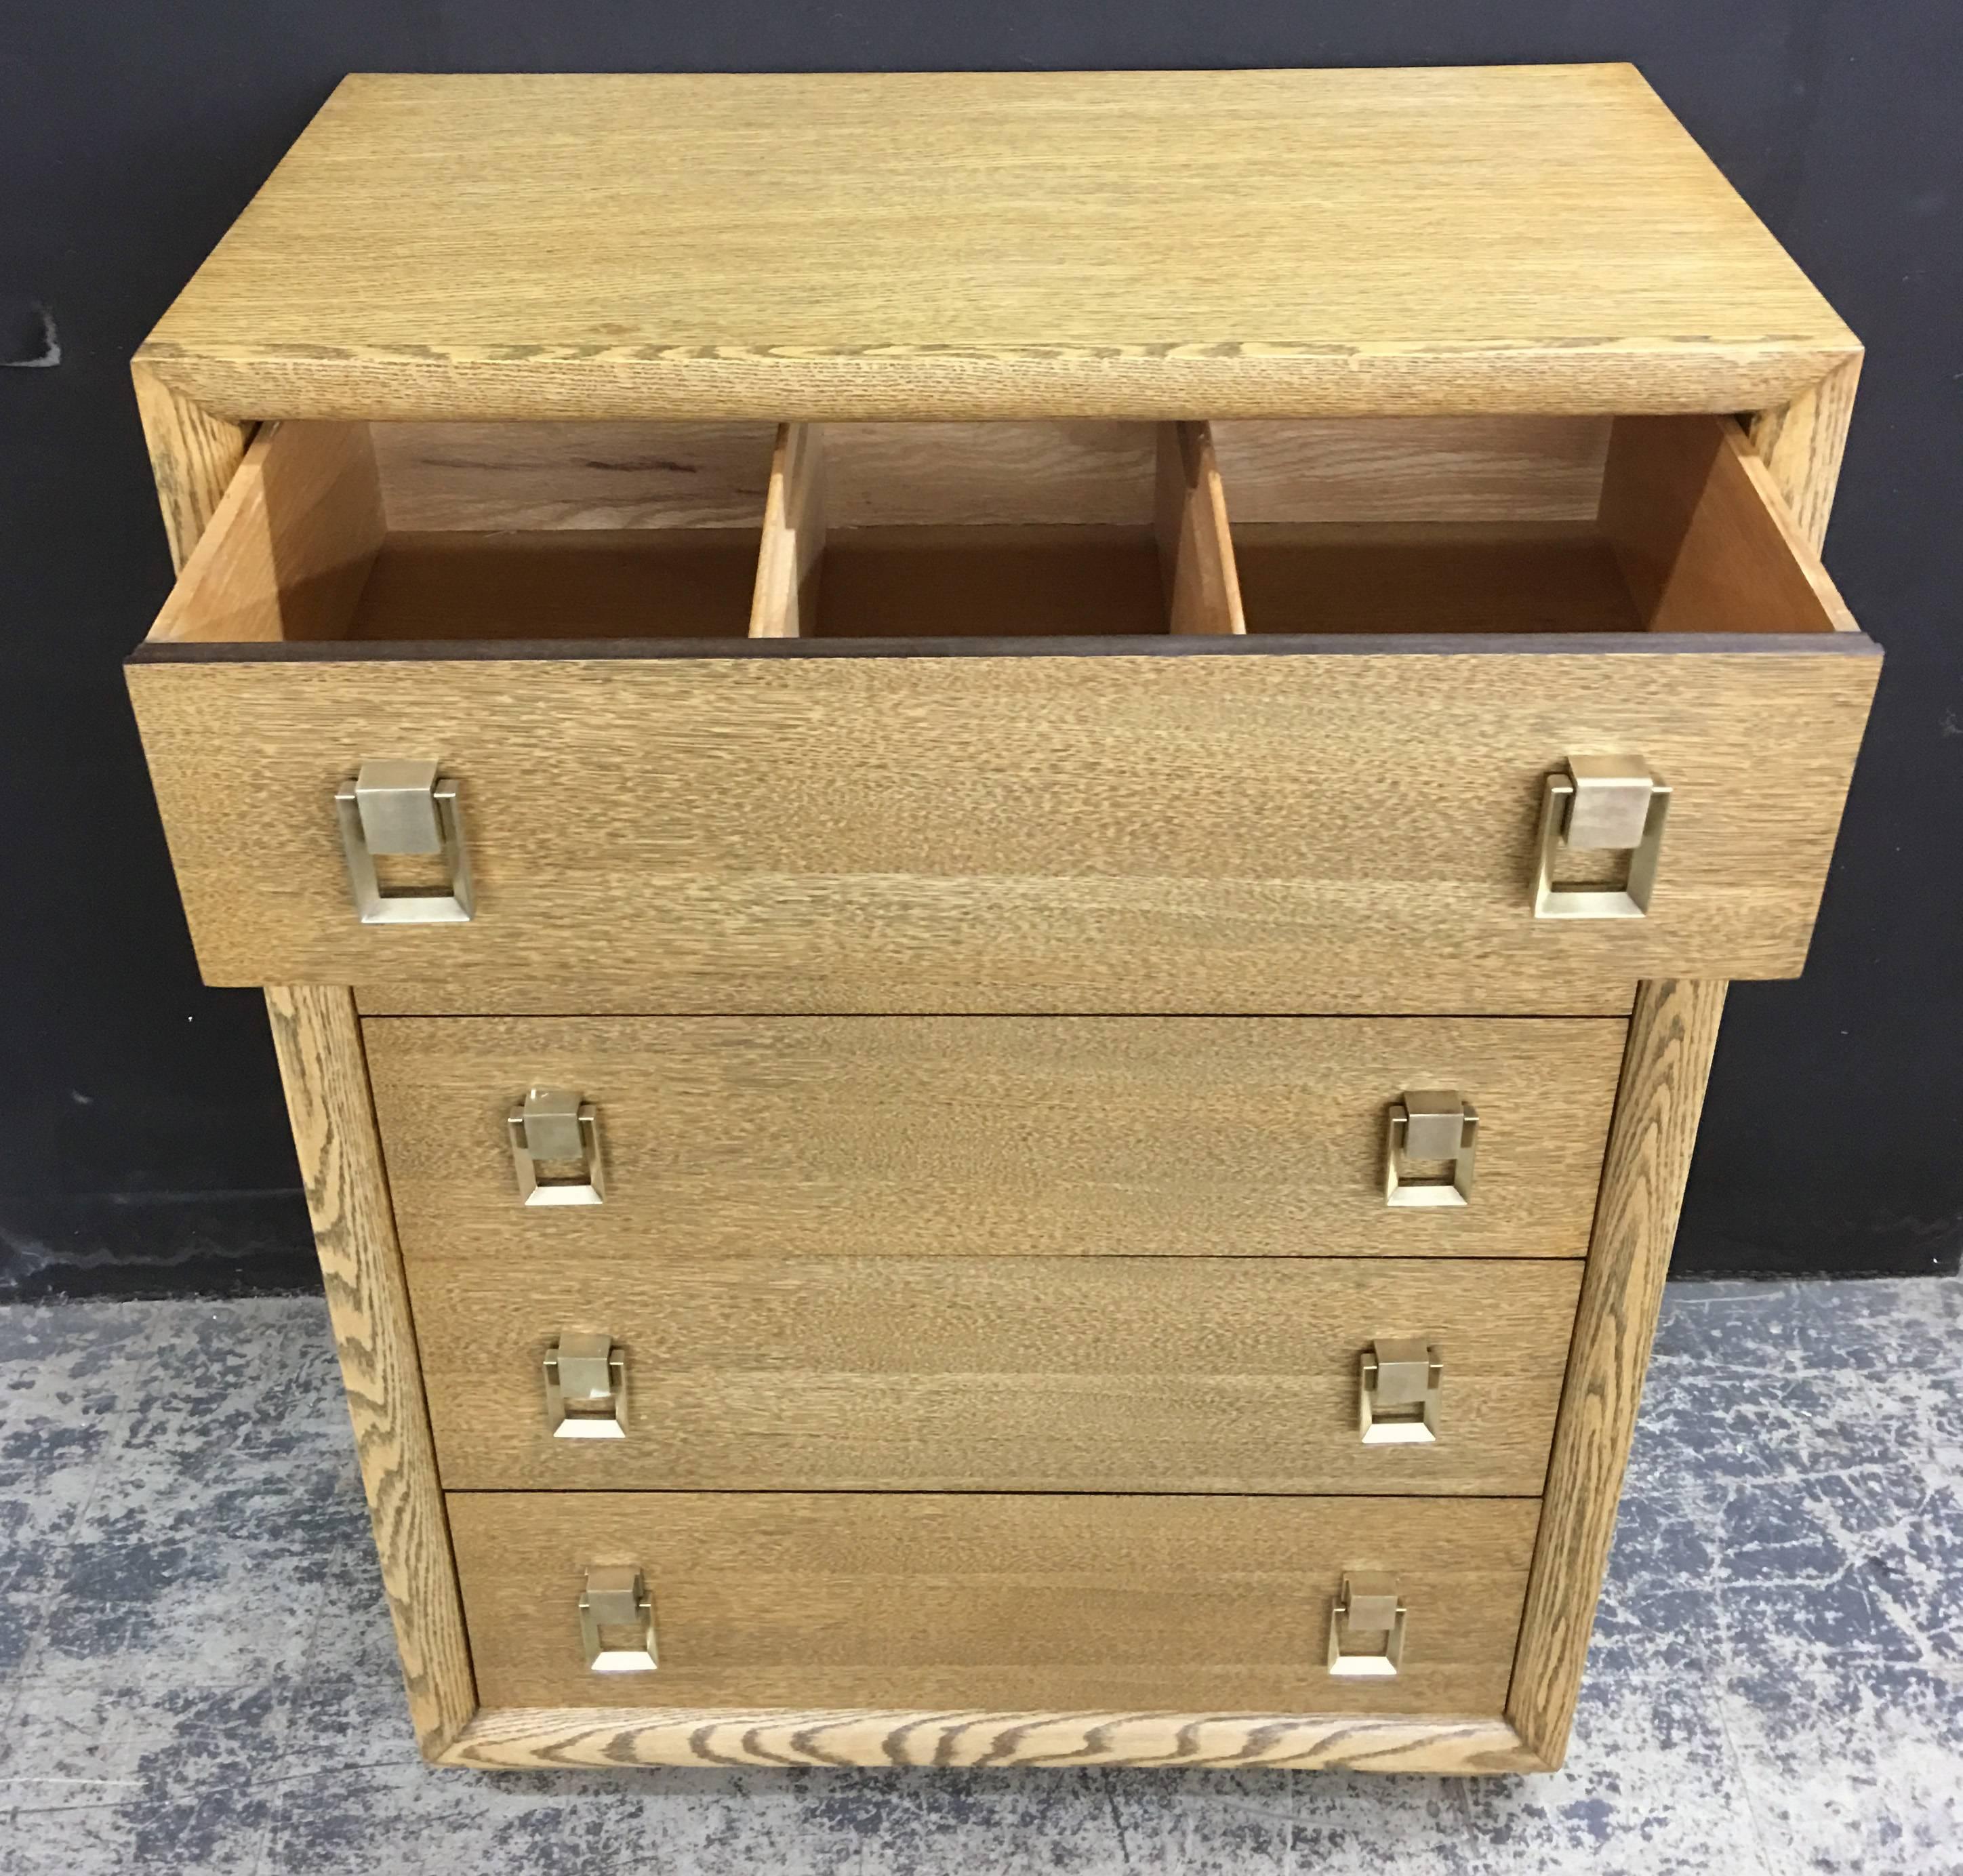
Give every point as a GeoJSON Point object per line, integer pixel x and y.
{"type": "Point", "coordinates": [198, 1675]}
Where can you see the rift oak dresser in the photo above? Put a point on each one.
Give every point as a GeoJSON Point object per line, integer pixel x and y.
{"type": "Point", "coordinates": [993, 824]}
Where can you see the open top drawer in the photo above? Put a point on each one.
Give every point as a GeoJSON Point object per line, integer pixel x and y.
{"type": "Point", "coordinates": [1494, 715]}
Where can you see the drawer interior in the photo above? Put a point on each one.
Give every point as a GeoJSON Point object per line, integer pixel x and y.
{"type": "Point", "coordinates": [1513, 525]}
{"type": "Point", "coordinates": [1102, 531]}
{"type": "Point", "coordinates": [956, 530]}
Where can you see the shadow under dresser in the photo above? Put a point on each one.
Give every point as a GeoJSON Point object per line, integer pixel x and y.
{"type": "Point", "coordinates": [995, 895]}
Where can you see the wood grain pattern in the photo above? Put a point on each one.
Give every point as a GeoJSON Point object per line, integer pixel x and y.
{"type": "Point", "coordinates": [532, 476]}
{"type": "Point", "coordinates": [318, 1045]}
{"type": "Point", "coordinates": [194, 456]}
{"type": "Point", "coordinates": [1703, 536]}
{"type": "Point", "coordinates": [1671, 1040]}
{"type": "Point", "coordinates": [833, 1599]}
{"type": "Point", "coordinates": [990, 475]}
{"type": "Point", "coordinates": [1389, 470]}
{"type": "Point", "coordinates": [1204, 833]}
{"type": "Point", "coordinates": [519, 1738]}
{"type": "Point", "coordinates": [1801, 443]}
{"type": "Point", "coordinates": [1196, 551]}
{"type": "Point", "coordinates": [908, 1136]}
{"type": "Point", "coordinates": [529, 476]}
{"type": "Point", "coordinates": [290, 545]}
{"type": "Point", "coordinates": [1488, 257]}
{"type": "Point", "coordinates": [1010, 1375]}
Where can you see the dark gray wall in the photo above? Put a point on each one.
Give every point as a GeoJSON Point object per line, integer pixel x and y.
{"type": "Point", "coordinates": [143, 1145]}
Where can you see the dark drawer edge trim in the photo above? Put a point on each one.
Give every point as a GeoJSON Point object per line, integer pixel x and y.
{"type": "Point", "coordinates": [1338, 645]}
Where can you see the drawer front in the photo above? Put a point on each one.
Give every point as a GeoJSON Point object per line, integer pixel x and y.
{"type": "Point", "coordinates": [1265, 830]}
{"type": "Point", "coordinates": [1052, 1136]}
{"type": "Point", "coordinates": [836, 1599]}
{"type": "Point", "coordinates": [1193, 1375]}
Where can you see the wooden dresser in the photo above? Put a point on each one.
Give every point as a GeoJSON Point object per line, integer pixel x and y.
{"type": "Point", "coordinates": [994, 825]}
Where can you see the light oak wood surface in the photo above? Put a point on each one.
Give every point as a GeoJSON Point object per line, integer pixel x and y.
{"type": "Point", "coordinates": [1801, 443]}
{"type": "Point", "coordinates": [1672, 1038]}
{"type": "Point", "coordinates": [521, 1738]}
{"type": "Point", "coordinates": [193, 458]}
{"type": "Point", "coordinates": [828, 246]}
{"type": "Point", "coordinates": [1203, 833]}
{"type": "Point", "coordinates": [1360, 469]}
{"type": "Point", "coordinates": [318, 1045]}
{"type": "Point", "coordinates": [985, 475]}
{"type": "Point", "coordinates": [844, 1599]}
{"type": "Point", "coordinates": [992, 1136]}
{"type": "Point", "coordinates": [533, 476]}
{"type": "Point", "coordinates": [542, 476]}
{"type": "Point", "coordinates": [1102, 1374]}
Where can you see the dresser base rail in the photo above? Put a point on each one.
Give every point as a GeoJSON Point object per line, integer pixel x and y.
{"type": "Point", "coordinates": [523, 1738]}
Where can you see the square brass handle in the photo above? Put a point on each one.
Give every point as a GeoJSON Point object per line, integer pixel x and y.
{"type": "Point", "coordinates": [555, 1127]}
{"type": "Point", "coordinates": [586, 1387]}
{"type": "Point", "coordinates": [616, 1621]}
{"type": "Point", "coordinates": [1600, 804]}
{"type": "Point", "coordinates": [1434, 1126]}
{"type": "Point", "coordinates": [403, 808]}
{"type": "Point", "coordinates": [1400, 1392]}
{"type": "Point", "coordinates": [1366, 1626]}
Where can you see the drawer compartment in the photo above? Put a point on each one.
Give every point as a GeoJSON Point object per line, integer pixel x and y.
{"type": "Point", "coordinates": [933, 765]}
{"type": "Point", "coordinates": [1062, 1136]}
{"type": "Point", "coordinates": [1112, 1374]}
{"type": "Point", "coordinates": [837, 1600]}
{"type": "Point", "coordinates": [966, 530]}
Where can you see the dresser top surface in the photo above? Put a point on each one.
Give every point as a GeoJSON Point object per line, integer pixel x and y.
{"type": "Point", "coordinates": [1155, 244]}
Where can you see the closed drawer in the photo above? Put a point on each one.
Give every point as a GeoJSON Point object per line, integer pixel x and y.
{"type": "Point", "coordinates": [1057, 1136]}
{"type": "Point", "coordinates": [1002, 769]}
{"type": "Point", "coordinates": [1115, 1375]}
{"type": "Point", "coordinates": [836, 1599]}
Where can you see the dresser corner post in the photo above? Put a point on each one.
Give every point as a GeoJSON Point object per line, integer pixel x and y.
{"type": "Point", "coordinates": [323, 1068]}
{"type": "Point", "coordinates": [194, 454]}
{"type": "Point", "coordinates": [1673, 1035]}
{"type": "Point", "coordinates": [1801, 444]}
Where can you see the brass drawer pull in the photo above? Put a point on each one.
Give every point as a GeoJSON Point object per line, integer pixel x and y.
{"type": "Point", "coordinates": [1368, 1610]}
{"type": "Point", "coordinates": [1435, 1125]}
{"type": "Point", "coordinates": [553, 1127]}
{"type": "Point", "coordinates": [1399, 1393]}
{"type": "Point", "coordinates": [614, 1610]}
{"type": "Point", "coordinates": [1610, 804]}
{"type": "Point", "coordinates": [586, 1387]}
{"type": "Point", "coordinates": [403, 808]}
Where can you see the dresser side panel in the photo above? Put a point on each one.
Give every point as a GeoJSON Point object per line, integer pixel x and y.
{"type": "Point", "coordinates": [318, 1044]}
{"type": "Point", "coordinates": [1672, 1036]}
